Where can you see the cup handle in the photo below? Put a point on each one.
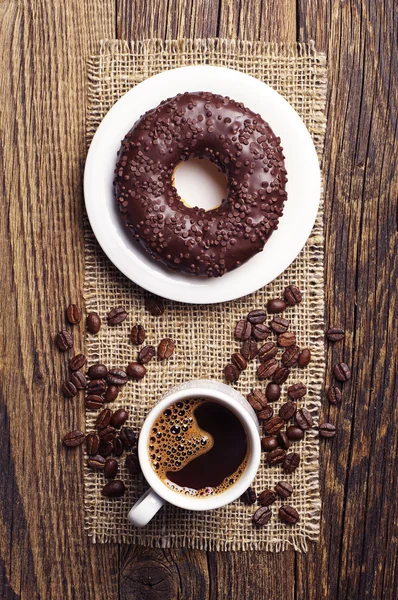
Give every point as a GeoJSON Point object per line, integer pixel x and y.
{"type": "Point", "coordinates": [145, 508]}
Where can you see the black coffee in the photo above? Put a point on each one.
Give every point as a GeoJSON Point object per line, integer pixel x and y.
{"type": "Point", "coordinates": [198, 447]}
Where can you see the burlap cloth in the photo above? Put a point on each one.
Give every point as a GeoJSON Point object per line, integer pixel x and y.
{"type": "Point", "coordinates": [204, 334]}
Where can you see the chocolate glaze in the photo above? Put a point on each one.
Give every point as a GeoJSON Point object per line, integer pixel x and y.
{"type": "Point", "coordinates": [243, 147]}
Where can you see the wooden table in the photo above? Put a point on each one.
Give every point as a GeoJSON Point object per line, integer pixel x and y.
{"type": "Point", "coordinates": [44, 551]}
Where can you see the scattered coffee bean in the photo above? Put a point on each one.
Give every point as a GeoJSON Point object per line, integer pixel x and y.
{"type": "Point", "coordinates": [110, 468]}
{"type": "Point", "coordinates": [334, 394]}
{"type": "Point", "coordinates": [297, 390]}
{"type": "Point", "coordinates": [73, 314]}
{"type": "Point", "coordinates": [74, 438]}
{"type": "Point", "coordinates": [288, 515]}
{"type": "Point", "coordinates": [93, 402]}
{"type": "Point", "coordinates": [79, 380]}
{"type": "Point", "coordinates": [335, 334]}
{"type": "Point", "coordinates": [114, 489]}
{"type": "Point", "coordinates": [294, 433]}
{"type": "Point", "coordinates": [69, 389]}
{"type": "Point", "coordinates": [119, 418]}
{"type": "Point", "coordinates": [266, 413]}
{"type": "Point", "coordinates": [327, 430]}
{"type": "Point", "coordinates": [118, 447]}
{"type": "Point", "coordinates": [304, 358]}
{"type": "Point", "coordinates": [133, 464]}
{"type": "Point", "coordinates": [267, 351]}
{"type": "Point", "coordinates": [166, 348]}
{"type": "Point", "coordinates": [292, 295]}
{"type": "Point", "coordinates": [266, 498]}
{"type": "Point", "coordinates": [279, 325]}
{"type": "Point", "coordinates": [243, 330]}
{"type": "Point", "coordinates": [291, 462]}
{"type": "Point", "coordinates": [231, 373]}
{"type": "Point", "coordinates": [257, 400]}
{"type": "Point", "coordinates": [105, 448]}
{"type": "Point", "coordinates": [136, 370]}
{"type": "Point", "coordinates": [146, 354]}
{"type": "Point", "coordinates": [280, 375]}
{"type": "Point", "coordinates": [262, 516]}
{"type": "Point", "coordinates": [154, 306]}
{"type": "Point", "coordinates": [64, 340]}
{"type": "Point", "coordinates": [283, 440]}
{"type": "Point", "coordinates": [249, 496]}
{"type": "Point", "coordinates": [273, 392]}
{"type": "Point", "coordinates": [269, 443]}
{"type": "Point", "coordinates": [274, 425]}
{"type": "Point", "coordinates": [92, 443]}
{"type": "Point", "coordinates": [111, 393]}
{"type": "Point", "coordinates": [287, 410]}
{"type": "Point", "coordinates": [290, 356]}
{"type": "Point", "coordinates": [249, 349]}
{"type": "Point", "coordinates": [284, 489]}
{"type": "Point", "coordinates": [77, 362]}
{"type": "Point", "coordinates": [239, 361]}
{"type": "Point", "coordinates": [304, 419]}
{"type": "Point", "coordinates": [257, 316]}
{"type": "Point", "coordinates": [104, 418]}
{"type": "Point", "coordinates": [277, 305]}
{"type": "Point", "coordinates": [286, 339]}
{"type": "Point", "coordinates": [267, 369]}
{"type": "Point", "coordinates": [342, 372]}
{"type": "Point", "coordinates": [137, 335]}
{"type": "Point", "coordinates": [96, 462]}
{"type": "Point", "coordinates": [260, 332]}
{"type": "Point", "coordinates": [116, 316]}
{"type": "Point", "coordinates": [117, 377]}
{"type": "Point", "coordinates": [96, 387]}
{"type": "Point", "coordinates": [127, 437]}
{"type": "Point", "coordinates": [276, 457]}
{"type": "Point", "coordinates": [93, 323]}
{"type": "Point", "coordinates": [107, 434]}
{"type": "Point", "coordinates": [97, 371]}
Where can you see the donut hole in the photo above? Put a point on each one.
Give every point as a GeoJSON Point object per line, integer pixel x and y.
{"type": "Point", "coordinates": [199, 183]}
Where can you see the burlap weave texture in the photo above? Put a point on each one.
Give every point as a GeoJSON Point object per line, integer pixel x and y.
{"type": "Point", "coordinates": [204, 334]}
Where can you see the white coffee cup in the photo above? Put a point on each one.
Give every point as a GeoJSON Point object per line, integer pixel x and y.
{"type": "Point", "coordinates": [159, 493]}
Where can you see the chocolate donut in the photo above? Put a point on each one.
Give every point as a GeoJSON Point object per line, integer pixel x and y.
{"type": "Point", "coordinates": [244, 148]}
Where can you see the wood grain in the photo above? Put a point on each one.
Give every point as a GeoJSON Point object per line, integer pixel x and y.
{"type": "Point", "coordinates": [43, 549]}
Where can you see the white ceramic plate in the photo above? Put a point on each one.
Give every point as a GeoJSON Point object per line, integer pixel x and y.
{"type": "Point", "coordinates": [303, 186]}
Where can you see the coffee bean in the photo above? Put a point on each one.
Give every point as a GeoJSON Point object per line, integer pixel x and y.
{"type": "Point", "coordinates": [249, 349]}
{"type": "Point", "coordinates": [96, 462]}
{"type": "Point", "coordinates": [274, 425]}
{"type": "Point", "coordinates": [266, 498]}
{"type": "Point", "coordinates": [231, 373]}
{"type": "Point", "coordinates": [260, 332]}
{"type": "Point", "coordinates": [133, 464]}
{"type": "Point", "coordinates": [107, 434]}
{"type": "Point", "coordinates": [267, 351]}
{"type": "Point", "coordinates": [279, 325]}
{"type": "Point", "coordinates": [93, 402]}
{"type": "Point", "coordinates": [276, 457]}
{"type": "Point", "coordinates": [262, 516]}
{"type": "Point", "coordinates": [69, 389]}
{"type": "Point", "coordinates": [334, 394]}
{"type": "Point", "coordinates": [166, 348]}
{"type": "Point", "coordinates": [286, 339]}
{"type": "Point", "coordinates": [297, 390]}
{"type": "Point", "coordinates": [273, 392]}
{"type": "Point", "coordinates": [243, 330]}
{"type": "Point", "coordinates": [335, 334]}
{"type": "Point", "coordinates": [127, 436]}
{"type": "Point", "coordinates": [114, 489]}
{"type": "Point", "coordinates": [288, 515]}
{"type": "Point", "coordinates": [96, 387]}
{"type": "Point", "coordinates": [116, 316]}
{"type": "Point", "coordinates": [118, 447]}
{"type": "Point", "coordinates": [291, 462]}
{"type": "Point", "coordinates": [287, 410]}
{"type": "Point", "coordinates": [283, 440]}
{"type": "Point", "coordinates": [292, 295]}
{"type": "Point", "coordinates": [280, 375]}
{"type": "Point", "coordinates": [104, 418]}
{"type": "Point", "coordinates": [136, 370]}
{"type": "Point", "coordinates": [105, 448]}
{"type": "Point", "coordinates": [137, 335]}
{"type": "Point", "coordinates": [257, 400]}
{"type": "Point", "coordinates": [154, 306]}
{"type": "Point", "coordinates": [249, 496]}
{"type": "Point", "coordinates": [267, 369]}
{"type": "Point", "coordinates": [97, 371]}
{"type": "Point", "coordinates": [93, 323]}
{"type": "Point", "coordinates": [77, 362]}
{"type": "Point", "coordinates": [327, 430]}
{"type": "Point", "coordinates": [111, 468]}
{"type": "Point", "coordinates": [74, 438]}
{"type": "Point", "coordinates": [73, 314]}
{"type": "Point", "coordinates": [79, 380]}
{"type": "Point", "coordinates": [92, 443]}
{"type": "Point", "coordinates": [117, 377]}
{"type": "Point", "coordinates": [304, 358]}
{"type": "Point", "coordinates": [266, 413]}
{"type": "Point", "coordinates": [239, 361]}
{"type": "Point", "coordinates": [257, 316]}
{"type": "Point", "coordinates": [276, 306]}
{"type": "Point", "coordinates": [64, 340]}
{"type": "Point", "coordinates": [146, 354]}
{"type": "Point", "coordinates": [119, 417]}
{"type": "Point", "coordinates": [304, 419]}
{"type": "Point", "coordinates": [294, 433]}
{"type": "Point", "coordinates": [111, 393]}
{"type": "Point", "coordinates": [290, 356]}
{"type": "Point", "coordinates": [284, 489]}
{"type": "Point", "coordinates": [342, 372]}
{"type": "Point", "coordinates": [269, 443]}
